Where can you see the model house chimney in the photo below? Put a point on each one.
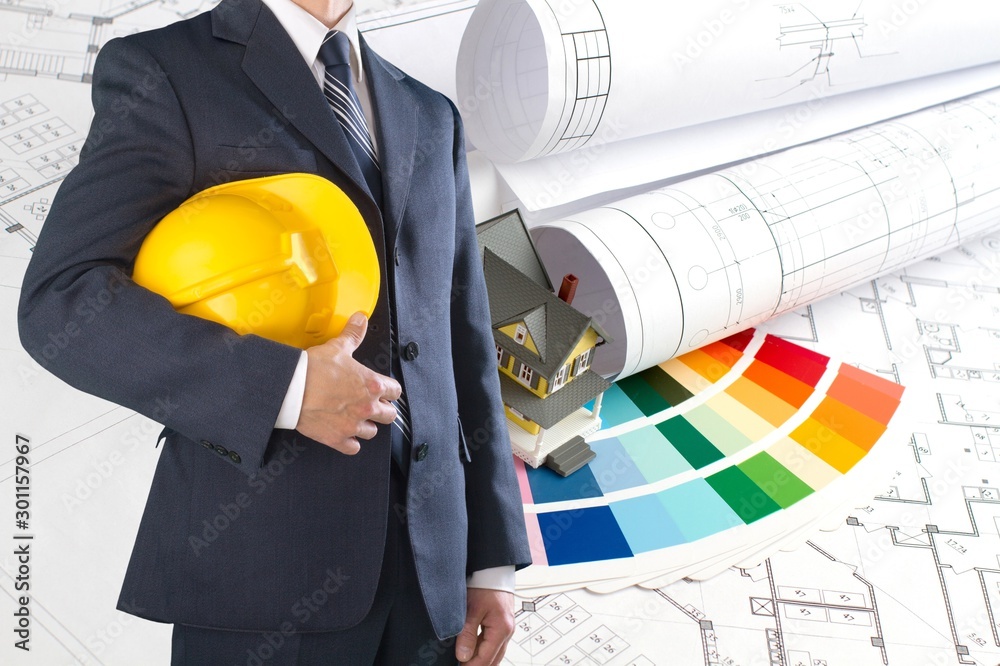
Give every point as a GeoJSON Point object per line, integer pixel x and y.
{"type": "Point", "coordinates": [568, 289]}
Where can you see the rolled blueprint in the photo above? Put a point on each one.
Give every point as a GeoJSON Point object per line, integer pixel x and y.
{"type": "Point", "coordinates": [542, 77]}
{"type": "Point", "coordinates": [675, 268]}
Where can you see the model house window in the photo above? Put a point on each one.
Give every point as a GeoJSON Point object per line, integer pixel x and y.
{"type": "Point", "coordinates": [499, 354]}
{"type": "Point", "coordinates": [581, 363]}
{"type": "Point", "coordinates": [559, 379]}
{"type": "Point", "coordinates": [520, 334]}
{"type": "Point", "coordinates": [526, 374]}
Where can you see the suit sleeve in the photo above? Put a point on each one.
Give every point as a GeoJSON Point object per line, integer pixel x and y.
{"type": "Point", "coordinates": [496, 517]}
{"type": "Point", "coordinates": [82, 317]}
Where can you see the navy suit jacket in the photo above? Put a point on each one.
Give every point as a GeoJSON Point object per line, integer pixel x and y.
{"type": "Point", "coordinates": [246, 526]}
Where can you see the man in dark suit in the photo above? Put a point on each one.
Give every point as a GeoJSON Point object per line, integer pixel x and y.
{"type": "Point", "coordinates": [287, 521]}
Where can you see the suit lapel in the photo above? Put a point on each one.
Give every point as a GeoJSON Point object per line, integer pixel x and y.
{"type": "Point", "coordinates": [395, 111]}
{"type": "Point", "coordinates": [274, 65]}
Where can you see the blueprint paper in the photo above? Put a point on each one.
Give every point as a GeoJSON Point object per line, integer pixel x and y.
{"type": "Point", "coordinates": [549, 77]}
{"type": "Point", "coordinates": [667, 271]}
{"type": "Point", "coordinates": [560, 70]}
{"type": "Point", "coordinates": [571, 180]}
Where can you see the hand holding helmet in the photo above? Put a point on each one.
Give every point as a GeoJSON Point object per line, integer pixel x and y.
{"type": "Point", "coordinates": [289, 258]}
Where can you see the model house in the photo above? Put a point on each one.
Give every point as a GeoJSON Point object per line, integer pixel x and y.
{"type": "Point", "coordinates": [544, 346]}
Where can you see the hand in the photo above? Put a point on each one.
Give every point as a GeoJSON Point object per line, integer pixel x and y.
{"type": "Point", "coordinates": [493, 610]}
{"type": "Point", "coordinates": [343, 400]}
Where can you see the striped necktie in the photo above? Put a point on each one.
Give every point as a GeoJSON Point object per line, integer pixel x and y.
{"type": "Point", "coordinates": [338, 86]}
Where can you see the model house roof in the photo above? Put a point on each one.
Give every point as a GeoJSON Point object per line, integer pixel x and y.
{"type": "Point", "coordinates": [554, 408]}
{"type": "Point", "coordinates": [520, 291]}
{"type": "Point", "coordinates": [555, 326]}
{"type": "Point", "coordinates": [508, 238]}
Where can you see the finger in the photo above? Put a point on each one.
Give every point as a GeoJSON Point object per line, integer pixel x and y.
{"type": "Point", "coordinates": [391, 390]}
{"type": "Point", "coordinates": [366, 430]}
{"type": "Point", "coordinates": [499, 658]}
{"type": "Point", "coordinates": [384, 412]}
{"type": "Point", "coordinates": [354, 331]}
{"type": "Point", "coordinates": [502, 652]}
{"type": "Point", "coordinates": [349, 446]}
{"type": "Point", "coordinates": [490, 642]}
{"type": "Point", "coordinates": [381, 387]}
{"type": "Point", "coordinates": [465, 643]}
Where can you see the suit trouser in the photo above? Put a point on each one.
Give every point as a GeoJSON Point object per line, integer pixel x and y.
{"type": "Point", "coordinates": [396, 632]}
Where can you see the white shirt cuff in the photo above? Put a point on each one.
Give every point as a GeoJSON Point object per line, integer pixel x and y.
{"type": "Point", "coordinates": [497, 578]}
{"type": "Point", "coordinates": [291, 406]}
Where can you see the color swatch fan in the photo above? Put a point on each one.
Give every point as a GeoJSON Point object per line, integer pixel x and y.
{"type": "Point", "coordinates": [713, 459]}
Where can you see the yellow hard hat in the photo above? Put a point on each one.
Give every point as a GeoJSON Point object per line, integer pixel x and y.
{"type": "Point", "coordinates": [286, 257]}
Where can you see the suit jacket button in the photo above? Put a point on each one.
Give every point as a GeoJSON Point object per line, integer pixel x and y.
{"type": "Point", "coordinates": [235, 457]}
{"type": "Point", "coordinates": [411, 351]}
{"type": "Point", "coordinates": [207, 444]}
{"type": "Point", "coordinates": [421, 452]}
{"type": "Point", "coordinates": [221, 450]}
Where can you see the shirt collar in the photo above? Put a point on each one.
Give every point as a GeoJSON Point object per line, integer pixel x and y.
{"type": "Point", "coordinates": [308, 32]}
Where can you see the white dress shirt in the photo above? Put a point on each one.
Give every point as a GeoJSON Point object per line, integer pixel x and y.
{"type": "Point", "coordinates": [308, 33]}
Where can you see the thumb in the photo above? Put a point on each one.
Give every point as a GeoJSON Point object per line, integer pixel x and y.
{"type": "Point", "coordinates": [465, 643]}
{"type": "Point", "coordinates": [354, 330]}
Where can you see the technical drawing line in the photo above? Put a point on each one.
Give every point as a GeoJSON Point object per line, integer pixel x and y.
{"type": "Point", "coordinates": [892, 529]}
{"type": "Point", "coordinates": [751, 242]}
{"type": "Point", "coordinates": [71, 444]}
{"type": "Point", "coordinates": [877, 299]}
{"type": "Point", "coordinates": [926, 500]}
{"type": "Point", "coordinates": [556, 83]}
{"type": "Point", "coordinates": [42, 623]}
{"type": "Point", "coordinates": [782, 648]}
{"type": "Point", "coordinates": [700, 620]}
{"type": "Point", "coordinates": [376, 28]}
{"type": "Point", "coordinates": [960, 650]}
{"type": "Point", "coordinates": [875, 614]}
{"type": "Point", "coordinates": [988, 603]}
{"type": "Point", "coordinates": [821, 36]}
